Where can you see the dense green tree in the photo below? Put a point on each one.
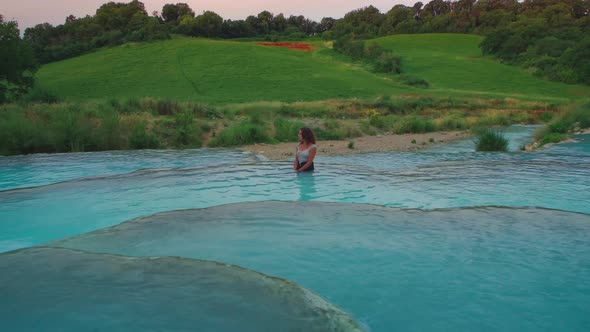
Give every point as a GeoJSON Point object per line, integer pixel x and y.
{"type": "Point", "coordinates": [577, 58]}
{"type": "Point", "coordinates": [395, 16]}
{"type": "Point", "coordinates": [187, 25]}
{"type": "Point", "coordinates": [264, 22]}
{"type": "Point", "coordinates": [172, 13]}
{"type": "Point", "coordinates": [17, 63]}
{"type": "Point", "coordinates": [580, 8]}
{"type": "Point", "coordinates": [367, 15]}
{"type": "Point", "coordinates": [362, 23]}
{"type": "Point", "coordinates": [325, 24]}
{"type": "Point", "coordinates": [116, 15]}
{"type": "Point", "coordinates": [39, 38]}
{"type": "Point", "coordinates": [532, 33]}
{"type": "Point", "coordinates": [296, 21]}
{"type": "Point", "coordinates": [490, 20]}
{"type": "Point", "coordinates": [437, 7]}
{"type": "Point", "coordinates": [209, 24]}
{"type": "Point", "coordinates": [279, 23]}
{"type": "Point", "coordinates": [237, 29]}
{"type": "Point", "coordinates": [558, 15]}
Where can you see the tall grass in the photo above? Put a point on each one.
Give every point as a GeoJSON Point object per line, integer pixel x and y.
{"type": "Point", "coordinates": [489, 140]}
{"type": "Point", "coordinates": [187, 135]}
{"type": "Point", "coordinates": [242, 134]}
{"type": "Point", "coordinates": [109, 125]}
{"type": "Point", "coordinates": [141, 138]}
{"type": "Point", "coordinates": [286, 130]}
{"type": "Point", "coordinates": [573, 118]}
{"type": "Point", "coordinates": [139, 123]}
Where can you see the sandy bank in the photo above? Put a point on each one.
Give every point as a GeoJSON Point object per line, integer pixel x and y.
{"type": "Point", "coordinates": [365, 144]}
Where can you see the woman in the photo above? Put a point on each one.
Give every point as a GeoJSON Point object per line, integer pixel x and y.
{"type": "Point", "coordinates": [305, 151]}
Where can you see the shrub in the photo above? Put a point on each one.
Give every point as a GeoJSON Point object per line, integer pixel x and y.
{"type": "Point", "coordinates": [558, 127]}
{"type": "Point", "coordinates": [365, 127]}
{"type": "Point", "coordinates": [114, 104]}
{"type": "Point", "coordinates": [39, 95]}
{"type": "Point", "coordinates": [167, 107]}
{"type": "Point", "coordinates": [546, 117]}
{"type": "Point", "coordinates": [72, 131]}
{"type": "Point", "coordinates": [490, 140]}
{"type": "Point", "coordinates": [383, 122]}
{"type": "Point", "coordinates": [452, 122]}
{"type": "Point", "coordinates": [552, 138]}
{"type": "Point", "coordinates": [186, 132]}
{"type": "Point", "coordinates": [331, 124]}
{"type": "Point", "coordinates": [285, 130]}
{"type": "Point", "coordinates": [140, 138]}
{"type": "Point", "coordinates": [242, 134]}
{"type": "Point", "coordinates": [387, 63]}
{"type": "Point", "coordinates": [131, 105]}
{"type": "Point", "coordinates": [351, 130]}
{"type": "Point", "coordinates": [108, 135]}
{"type": "Point", "coordinates": [327, 134]}
{"type": "Point", "coordinates": [414, 81]}
{"type": "Point", "coordinates": [413, 124]}
{"type": "Point", "coordinates": [19, 135]}
{"type": "Point", "coordinates": [202, 111]}
{"type": "Point", "coordinates": [373, 51]}
{"type": "Point", "coordinates": [577, 116]}
{"type": "Point", "coordinates": [574, 118]}
{"type": "Point", "coordinates": [257, 118]}
{"type": "Point", "coordinates": [351, 47]}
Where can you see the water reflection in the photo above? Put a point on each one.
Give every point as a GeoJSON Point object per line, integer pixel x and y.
{"type": "Point", "coordinates": [306, 183]}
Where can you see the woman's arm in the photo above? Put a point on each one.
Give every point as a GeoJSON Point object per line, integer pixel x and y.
{"type": "Point", "coordinates": [305, 166]}
{"type": "Point", "coordinates": [296, 162]}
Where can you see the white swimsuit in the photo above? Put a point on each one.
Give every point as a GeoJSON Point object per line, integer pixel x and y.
{"type": "Point", "coordinates": [303, 155]}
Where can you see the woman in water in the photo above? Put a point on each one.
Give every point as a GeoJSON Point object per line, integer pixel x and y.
{"type": "Point", "coordinates": [305, 151]}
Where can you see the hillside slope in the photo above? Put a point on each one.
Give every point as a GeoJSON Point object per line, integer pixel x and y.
{"type": "Point", "coordinates": [210, 71]}
{"type": "Point", "coordinates": [220, 72]}
{"type": "Point", "coordinates": [454, 62]}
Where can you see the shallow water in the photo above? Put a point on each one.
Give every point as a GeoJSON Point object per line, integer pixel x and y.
{"type": "Point", "coordinates": [71, 194]}
{"type": "Point", "coordinates": [45, 289]}
{"type": "Point", "coordinates": [520, 269]}
{"type": "Point", "coordinates": [41, 169]}
{"type": "Point", "coordinates": [427, 180]}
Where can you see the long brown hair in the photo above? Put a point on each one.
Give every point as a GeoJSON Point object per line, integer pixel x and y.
{"type": "Point", "coordinates": [307, 135]}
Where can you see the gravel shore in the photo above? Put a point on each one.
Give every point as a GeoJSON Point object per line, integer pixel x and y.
{"type": "Point", "coordinates": [365, 144]}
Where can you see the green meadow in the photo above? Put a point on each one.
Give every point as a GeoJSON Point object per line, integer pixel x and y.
{"type": "Point", "coordinates": [212, 72]}
{"type": "Point", "coordinates": [190, 92]}
{"type": "Point", "coordinates": [453, 63]}
{"type": "Point", "coordinates": [226, 72]}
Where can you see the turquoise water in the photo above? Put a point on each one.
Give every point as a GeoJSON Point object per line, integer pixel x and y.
{"type": "Point", "coordinates": [42, 169]}
{"type": "Point", "coordinates": [116, 293]}
{"type": "Point", "coordinates": [540, 277]}
{"type": "Point", "coordinates": [485, 269]}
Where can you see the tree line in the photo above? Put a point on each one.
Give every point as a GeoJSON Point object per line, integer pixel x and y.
{"type": "Point", "coordinates": [549, 37]}
{"type": "Point", "coordinates": [116, 23]}
{"type": "Point", "coordinates": [552, 37]}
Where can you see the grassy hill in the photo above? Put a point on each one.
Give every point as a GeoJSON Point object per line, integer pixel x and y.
{"type": "Point", "coordinates": [454, 62]}
{"type": "Point", "coordinates": [211, 72]}
{"type": "Point", "coordinates": [221, 72]}
{"type": "Point", "coordinates": [228, 93]}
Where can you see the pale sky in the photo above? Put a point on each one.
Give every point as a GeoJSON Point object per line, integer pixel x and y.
{"type": "Point", "coordinates": [29, 13]}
